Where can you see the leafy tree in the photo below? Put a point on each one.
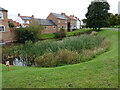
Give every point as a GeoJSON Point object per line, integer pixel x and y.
{"type": "Point", "coordinates": [29, 33]}
{"type": "Point", "coordinates": [97, 15]}
{"type": "Point", "coordinates": [23, 34]}
{"type": "Point", "coordinates": [11, 25]}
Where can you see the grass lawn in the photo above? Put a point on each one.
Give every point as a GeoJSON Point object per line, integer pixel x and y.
{"type": "Point", "coordinates": [52, 35]}
{"type": "Point", "coordinates": [101, 72]}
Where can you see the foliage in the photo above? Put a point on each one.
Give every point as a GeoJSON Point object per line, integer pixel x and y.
{"type": "Point", "coordinates": [23, 34]}
{"type": "Point", "coordinates": [11, 25]}
{"type": "Point", "coordinates": [29, 33]}
{"type": "Point", "coordinates": [101, 72]}
{"type": "Point", "coordinates": [97, 15]}
{"type": "Point", "coordinates": [57, 59]}
{"type": "Point", "coordinates": [113, 19]}
{"type": "Point", "coordinates": [60, 34]}
{"type": "Point", "coordinates": [30, 51]}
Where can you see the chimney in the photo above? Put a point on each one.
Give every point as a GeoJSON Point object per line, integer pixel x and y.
{"type": "Point", "coordinates": [18, 14]}
{"type": "Point", "coordinates": [62, 13]}
{"type": "Point", "coordinates": [71, 15]}
{"type": "Point", "coordinates": [32, 16]}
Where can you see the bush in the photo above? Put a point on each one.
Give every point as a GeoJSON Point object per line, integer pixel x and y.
{"type": "Point", "coordinates": [60, 34]}
{"type": "Point", "coordinates": [59, 58]}
{"type": "Point", "coordinates": [23, 34]}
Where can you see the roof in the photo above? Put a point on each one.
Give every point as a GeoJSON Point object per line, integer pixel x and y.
{"type": "Point", "coordinates": [70, 17]}
{"type": "Point", "coordinates": [2, 9]}
{"type": "Point", "coordinates": [14, 22]}
{"type": "Point", "coordinates": [59, 16]}
{"type": "Point", "coordinates": [10, 20]}
{"type": "Point", "coordinates": [28, 18]}
{"type": "Point", "coordinates": [45, 22]}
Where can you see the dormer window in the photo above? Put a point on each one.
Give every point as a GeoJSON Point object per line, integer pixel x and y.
{"type": "Point", "coordinates": [2, 28]}
{"type": "Point", "coordinates": [1, 16]}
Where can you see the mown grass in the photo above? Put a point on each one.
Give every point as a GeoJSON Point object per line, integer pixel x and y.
{"type": "Point", "coordinates": [52, 35]}
{"type": "Point", "coordinates": [101, 72]}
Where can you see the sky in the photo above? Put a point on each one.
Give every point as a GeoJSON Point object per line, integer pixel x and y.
{"type": "Point", "coordinates": [42, 8]}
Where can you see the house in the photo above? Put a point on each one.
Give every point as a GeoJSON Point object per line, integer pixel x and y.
{"type": "Point", "coordinates": [6, 35]}
{"type": "Point", "coordinates": [16, 24]}
{"type": "Point", "coordinates": [24, 20]}
{"type": "Point", "coordinates": [71, 22]}
{"type": "Point", "coordinates": [49, 25]}
{"type": "Point", "coordinates": [59, 20]}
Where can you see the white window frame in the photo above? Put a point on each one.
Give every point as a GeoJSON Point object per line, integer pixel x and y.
{"type": "Point", "coordinates": [58, 21]}
{"type": "Point", "coordinates": [2, 16]}
{"type": "Point", "coordinates": [4, 28]}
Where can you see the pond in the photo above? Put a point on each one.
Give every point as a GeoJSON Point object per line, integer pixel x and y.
{"type": "Point", "coordinates": [17, 62]}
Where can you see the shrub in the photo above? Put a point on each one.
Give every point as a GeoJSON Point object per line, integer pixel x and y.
{"type": "Point", "coordinates": [23, 34]}
{"type": "Point", "coordinates": [59, 58]}
{"type": "Point", "coordinates": [60, 34]}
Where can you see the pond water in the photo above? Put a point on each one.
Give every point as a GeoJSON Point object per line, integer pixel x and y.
{"type": "Point", "coordinates": [17, 62]}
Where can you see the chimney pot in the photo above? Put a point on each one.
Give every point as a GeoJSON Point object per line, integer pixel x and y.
{"type": "Point", "coordinates": [62, 13]}
{"type": "Point", "coordinates": [32, 16]}
{"type": "Point", "coordinates": [18, 14]}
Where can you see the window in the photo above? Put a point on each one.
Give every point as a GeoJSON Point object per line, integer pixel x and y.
{"type": "Point", "coordinates": [58, 21]}
{"type": "Point", "coordinates": [2, 28]}
{"type": "Point", "coordinates": [46, 28]}
{"type": "Point", "coordinates": [1, 16]}
{"type": "Point", "coordinates": [25, 22]}
{"type": "Point", "coordinates": [58, 27]}
{"type": "Point", "coordinates": [54, 27]}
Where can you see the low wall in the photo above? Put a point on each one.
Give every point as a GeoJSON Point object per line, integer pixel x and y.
{"type": "Point", "coordinates": [9, 36]}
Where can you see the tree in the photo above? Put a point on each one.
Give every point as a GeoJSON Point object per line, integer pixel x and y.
{"type": "Point", "coordinates": [11, 25]}
{"type": "Point", "coordinates": [29, 33]}
{"type": "Point", "coordinates": [97, 15]}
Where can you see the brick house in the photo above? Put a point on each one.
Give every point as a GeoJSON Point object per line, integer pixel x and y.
{"type": "Point", "coordinates": [24, 20]}
{"type": "Point", "coordinates": [49, 25]}
{"type": "Point", "coordinates": [6, 35]}
{"type": "Point", "coordinates": [71, 22]}
{"type": "Point", "coordinates": [59, 20]}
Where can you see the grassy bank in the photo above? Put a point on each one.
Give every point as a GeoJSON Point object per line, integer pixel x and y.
{"type": "Point", "coordinates": [52, 35]}
{"type": "Point", "coordinates": [101, 72]}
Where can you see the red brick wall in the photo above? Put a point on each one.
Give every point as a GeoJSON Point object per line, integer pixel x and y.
{"type": "Point", "coordinates": [56, 21]}
{"type": "Point", "coordinates": [7, 35]}
{"type": "Point", "coordinates": [50, 29]}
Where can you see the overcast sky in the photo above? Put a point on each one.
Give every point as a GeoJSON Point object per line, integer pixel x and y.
{"type": "Point", "coordinates": [42, 8]}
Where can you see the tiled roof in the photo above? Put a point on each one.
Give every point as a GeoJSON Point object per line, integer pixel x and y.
{"type": "Point", "coordinates": [14, 22]}
{"type": "Point", "coordinates": [26, 18]}
{"type": "Point", "coordinates": [59, 16]}
{"type": "Point", "coordinates": [2, 9]}
{"type": "Point", "coordinates": [70, 17]}
{"type": "Point", "coordinates": [45, 22]}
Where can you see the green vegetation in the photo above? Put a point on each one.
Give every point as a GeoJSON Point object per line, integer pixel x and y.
{"type": "Point", "coordinates": [29, 51]}
{"type": "Point", "coordinates": [52, 35]}
{"type": "Point", "coordinates": [101, 72]}
{"type": "Point", "coordinates": [60, 34]}
{"type": "Point", "coordinates": [113, 20]}
{"type": "Point", "coordinates": [29, 33]}
{"type": "Point", "coordinates": [47, 35]}
{"type": "Point", "coordinates": [97, 15]}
